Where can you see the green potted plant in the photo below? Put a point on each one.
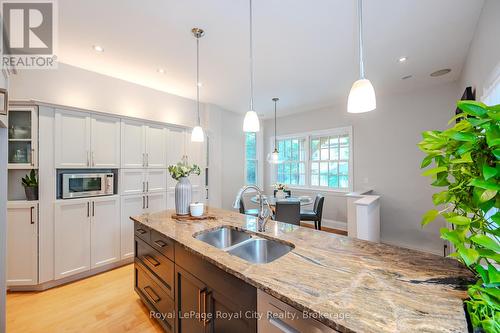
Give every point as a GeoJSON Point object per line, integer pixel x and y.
{"type": "Point", "coordinates": [280, 190]}
{"type": "Point", "coordinates": [183, 189]}
{"type": "Point", "coordinates": [463, 161]}
{"type": "Point", "coordinates": [30, 184]}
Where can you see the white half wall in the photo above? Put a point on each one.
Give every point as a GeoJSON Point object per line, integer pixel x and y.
{"type": "Point", "coordinates": [386, 158]}
{"type": "Point", "coordinates": [484, 52]}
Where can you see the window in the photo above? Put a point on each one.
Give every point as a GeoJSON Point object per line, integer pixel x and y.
{"type": "Point", "coordinates": [321, 159]}
{"type": "Point", "coordinates": [330, 161]}
{"type": "Point", "coordinates": [251, 163]}
{"type": "Point", "coordinates": [293, 169]}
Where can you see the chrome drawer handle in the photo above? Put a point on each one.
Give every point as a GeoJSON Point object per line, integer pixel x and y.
{"type": "Point", "coordinates": [279, 324]}
{"type": "Point", "coordinates": [160, 243]}
{"type": "Point", "coordinates": [141, 231]}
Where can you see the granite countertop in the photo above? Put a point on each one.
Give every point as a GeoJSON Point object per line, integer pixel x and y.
{"type": "Point", "coordinates": [348, 284]}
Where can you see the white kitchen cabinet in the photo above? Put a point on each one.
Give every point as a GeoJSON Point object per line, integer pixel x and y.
{"type": "Point", "coordinates": [134, 205]}
{"type": "Point", "coordinates": [144, 145]}
{"type": "Point", "coordinates": [72, 139]}
{"type": "Point", "coordinates": [71, 237]}
{"type": "Point", "coordinates": [135, 181]}
{"type": "Point", "coordinates": [133, 144]}
{"type": "Point", "coordinates": [131, 205]}
{"type": "Point", "coordinates": [170, 200]}
{"type": "Point", "coordinates": [85, 140]}
{"type": "Point", "coordinates": [105, 142]}
{"type": "Point", "coordinates": [156, 202]}
{"type": "Point", "coordinates": [176, 145]}
{"type": "Point", "coordinates": [23, 137]}
{"type": "Point", "coordinates": [156, 146]}
{"type": "Point", "coordinates": [105, 231]}
{"type": "Point", "coordinates": [22, 243]}
{"type": "Point", "coordinates": [86, 233]}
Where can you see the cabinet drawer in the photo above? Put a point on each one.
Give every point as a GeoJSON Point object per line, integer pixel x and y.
{"type": "Point", "coordinates": [163, 244]}
{"type": "Point", "coordinates": [157, 297]}
{"type": "Point", "coordinates": [157, 263]}
{"type": "Point", "coordinates": [142, 231]}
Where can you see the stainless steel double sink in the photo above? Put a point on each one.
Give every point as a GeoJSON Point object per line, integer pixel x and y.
{"type": "Point", "coordinates": [244, 245]}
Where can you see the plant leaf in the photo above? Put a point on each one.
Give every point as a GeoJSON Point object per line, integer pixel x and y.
{"type": "Point", "coordinates": [487, 195]}
{"type": "Point", "coordinates": [434, 171]}
{"type": "Point", "coordinates": [450, 235]}
{"type": "Point", "coordinates": [426, 161]}
{"type": "Point", "coordinates": [489, 172]}
{"type": "Point", "coordinates": [459, 220]}
{"type": "Point", "coordinates": [468, 255]}
{"type": "Point", "coordinates": [487, 185]}
{"type": "Point", "coordinates": [493, 274]}
{"type": "Point", "coordinates": [429, 216]}
{"type": "Point", "coordinates": [472, 107]}
{"type": "Point", "coordinates": [486, 242]}
{"type": "Point", "coordinates": [464, 136]}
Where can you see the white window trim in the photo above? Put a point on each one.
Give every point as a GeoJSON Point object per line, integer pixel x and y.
{"type": "Point", "coordinates": [307, 136]}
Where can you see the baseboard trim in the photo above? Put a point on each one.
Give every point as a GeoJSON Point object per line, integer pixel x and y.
{"type": "Point", "coordinates": [332, 224]}
{"type": "Point", "coordinates": [73, 278]}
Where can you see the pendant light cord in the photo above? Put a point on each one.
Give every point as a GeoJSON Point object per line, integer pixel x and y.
{"type": "Point", "coordinates": [198, 78]}
{"type": "Point", "coordinates": [360, 32]}
{"type": "Point", "coordinates": [275, 139]}
{"type": "Point", "coordinates": [251, 58]}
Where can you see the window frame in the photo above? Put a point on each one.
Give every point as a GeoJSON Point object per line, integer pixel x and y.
{"type": "Point", "coordinates": [259, 168]}
{"type": "Point", "coordinates": [340, 131]}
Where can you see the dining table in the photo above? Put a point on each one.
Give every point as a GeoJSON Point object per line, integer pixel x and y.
{"type": "Point", "coordinates": [304, 200]}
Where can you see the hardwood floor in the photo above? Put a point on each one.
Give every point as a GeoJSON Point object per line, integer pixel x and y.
{"type": "Point", "coordinates": [102, 303]}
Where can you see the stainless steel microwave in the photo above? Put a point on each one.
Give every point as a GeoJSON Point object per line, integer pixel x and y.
{"type": "Point", "coordinates": [81, 185]}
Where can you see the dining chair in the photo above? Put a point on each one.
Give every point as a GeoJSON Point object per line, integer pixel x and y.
{"type": "Point", "coordinates": [288, 193]}
{"type": "Point", "coordinates": [252, 212]}
{"type": "Point", "coordinates": [288, 212]}
{"type": "Point", "coordinates": [316, 214]}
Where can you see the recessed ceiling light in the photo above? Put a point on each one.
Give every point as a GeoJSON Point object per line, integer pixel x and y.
{"type": "Point", "coordinates": [98, 48]}
{"type": "Point", "coordinates": [161, 70]}
{"type": "Point", "coordinates": [406, 77]}
{"type": "Point", "coordinates": [403, 59]}
{"type": "Point", "coordinates": [440, 72]}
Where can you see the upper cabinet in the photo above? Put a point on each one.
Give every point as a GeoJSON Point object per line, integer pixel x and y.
{"type": "Point", "coordinates": [144, 145]}
{"type": "Point", "coordinates": [85, 140]}
{"type": "Point", "coordinates": [23, 137]}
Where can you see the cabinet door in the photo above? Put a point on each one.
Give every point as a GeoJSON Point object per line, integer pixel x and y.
{"type": "Point", "coordinates": [105, 231]}
{"type": "Point", "coordinates": [23, 138]}
{"type": "Point", "coordinates": [72, 139]}
{"type": "Point", "coordinates": [156, 202]}
{"type": "Point", "coordinates": [132, 205]}
{"type": "Point", "coordinates": [133, 181]}
{"type": "Point", "coordinates": [132, 144]}
{"type": "Point", "coordinates": [156, 150]}
{"type": "Point", "coordinates": [71, 237]}
{"type": "Point", "coordinates": [224, 306]}
{"type": "Point", "coordinates": [105, 142]}
{"type": "Point", "coordinates": [196, 155]}
{"type": "Point", "coordinates": [156, 180]}
{"type": "Point", "coordinates": [199, 194]}
{"type": "Point", "coordinates": [22, 244]}
{"type": "Point", "coordinates": [189, 295]}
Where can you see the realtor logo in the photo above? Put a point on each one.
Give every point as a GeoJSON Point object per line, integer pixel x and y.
{"type": "Point", "coordinates": [28, 34]}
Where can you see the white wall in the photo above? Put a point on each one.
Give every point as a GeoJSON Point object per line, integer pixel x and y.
{"type": "Point", "coordinates": [484, 52]}
{"type": "Point", "coordinates": [386, 157]}
{"type": "Point", "coordinates": [233, 157]}
{"type": "Point", "coordinates": [73, 86]}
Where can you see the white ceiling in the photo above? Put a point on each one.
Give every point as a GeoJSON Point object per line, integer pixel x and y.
{"type": "Point", "coordinates": [305, 51]}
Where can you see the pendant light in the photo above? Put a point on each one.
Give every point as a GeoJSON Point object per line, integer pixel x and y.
{"type": "Point", "coordinates": [274, 157]}
{"type": "Point", "coordinates": [362, 95]}
{"type": "Point", "coordinates": [197, 134]}
{"type": "Point", "coordinates": [251, 121]}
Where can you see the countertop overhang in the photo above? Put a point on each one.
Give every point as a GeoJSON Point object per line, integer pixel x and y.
{"type": "Point", "coordinates": [348, 284]}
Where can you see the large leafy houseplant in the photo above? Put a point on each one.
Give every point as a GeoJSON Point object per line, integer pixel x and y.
{"type": "Point", "coordinates": [464, 162]}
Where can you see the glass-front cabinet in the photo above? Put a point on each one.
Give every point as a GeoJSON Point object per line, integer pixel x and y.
{"type": "Point", "coordinates": [23, 137]}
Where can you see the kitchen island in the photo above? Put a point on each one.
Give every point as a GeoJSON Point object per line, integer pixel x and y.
{"type": "Point", "coordinates": [346, 284]}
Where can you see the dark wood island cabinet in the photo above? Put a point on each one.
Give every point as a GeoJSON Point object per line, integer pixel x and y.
{"type": "Point", "coordinates": [186, 293]}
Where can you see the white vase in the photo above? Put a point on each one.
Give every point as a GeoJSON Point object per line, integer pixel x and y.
{"type": "Point", "coordinates": [280, 194]}
{"type": "Point", "coordinates": [183, 191]}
